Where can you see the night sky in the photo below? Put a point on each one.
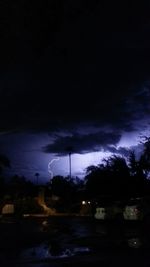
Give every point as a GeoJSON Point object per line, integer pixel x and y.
{"type": "Point", "coordinates": [72, 73]}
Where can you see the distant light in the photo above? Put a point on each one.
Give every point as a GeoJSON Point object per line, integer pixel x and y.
{"type": "Point", "coordinates": [83, 202]}
{"type": "Point", "coordinates": [8, 209]}
{"type": "Point", "coordinates": [136, 210]}
{"type": "Point", "coordinates": [89, 202]}
{"type": "Point", "coordinates": [134, 243]}
{"type": "Point", "coordinates": [45, 223]}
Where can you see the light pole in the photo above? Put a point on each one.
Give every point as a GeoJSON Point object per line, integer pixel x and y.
{"type": "Point", "coordinates": [70, 164]}
{"type": "Point", "coordinates": [70, 150]}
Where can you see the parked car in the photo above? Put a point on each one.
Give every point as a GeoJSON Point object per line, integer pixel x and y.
{"type": "Point", "coordinates": [132, 212]}
{"type": "Point", "coordinates": [109, 211]}
{"type": "Point", "coordinates": [136, 209]}
{"type": "Point", "coordinates": [101, 213]}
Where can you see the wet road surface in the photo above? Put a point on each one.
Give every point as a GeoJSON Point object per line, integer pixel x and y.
{"type": "Point", "coordinates": [72, 241]}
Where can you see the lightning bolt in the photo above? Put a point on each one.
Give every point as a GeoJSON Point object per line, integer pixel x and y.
{"type": "Point", "coordinates": [49, 166]}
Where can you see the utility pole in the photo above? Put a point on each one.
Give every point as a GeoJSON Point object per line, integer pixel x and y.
{"type": "Point", "coordinates": [70, 164]}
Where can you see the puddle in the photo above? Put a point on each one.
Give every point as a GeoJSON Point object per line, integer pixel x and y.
{"type": "Point", "coordinates": [47, 252]}
{"type": "Point", "coordinates": [134, 242]}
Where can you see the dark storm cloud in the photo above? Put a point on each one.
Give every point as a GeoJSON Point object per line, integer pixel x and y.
{"type": "Point", "coordinates": [73, 62]}
{"type": "Point", "coordinates": [72, 73]}
{"type": "Point", "coordinates": [82, 143]}
{"type": "Point", "coordinates": [138, 104]}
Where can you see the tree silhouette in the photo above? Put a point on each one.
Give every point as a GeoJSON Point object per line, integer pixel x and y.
{"type": "Point", "coordinates": [4, 162]}
{"type": "Point", "coordinates": [91, 169]}
{"type": "Point", "coordinates": [110, 178]}
{"type": "Point", "coordinates": [133, 163]}
{"type": "Point", "coordinates": [37, 177]}
{"type": "Point", "coordinates": [65, 189]}
{"type": "Point", "coordinates": [136, 166]}
{"type": "Point", "coordinates": [117, 165]}
{"type": "Point", "coordinates": [96, 180]}
{"type": "Point", "coordinates": [145, 157]}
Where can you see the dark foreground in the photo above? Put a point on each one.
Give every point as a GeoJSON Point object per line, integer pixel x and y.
{"type": "Point", "coordinates": [68, 241]}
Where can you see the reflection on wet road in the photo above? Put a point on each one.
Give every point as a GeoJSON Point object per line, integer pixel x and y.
{"type": "Point", "coordinates": [64, 240]}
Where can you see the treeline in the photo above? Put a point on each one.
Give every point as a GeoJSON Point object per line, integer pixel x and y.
{"type": "Point", "coordinates": [119, 176]}
{"type": "Point", "coordinates": [115, 176]}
